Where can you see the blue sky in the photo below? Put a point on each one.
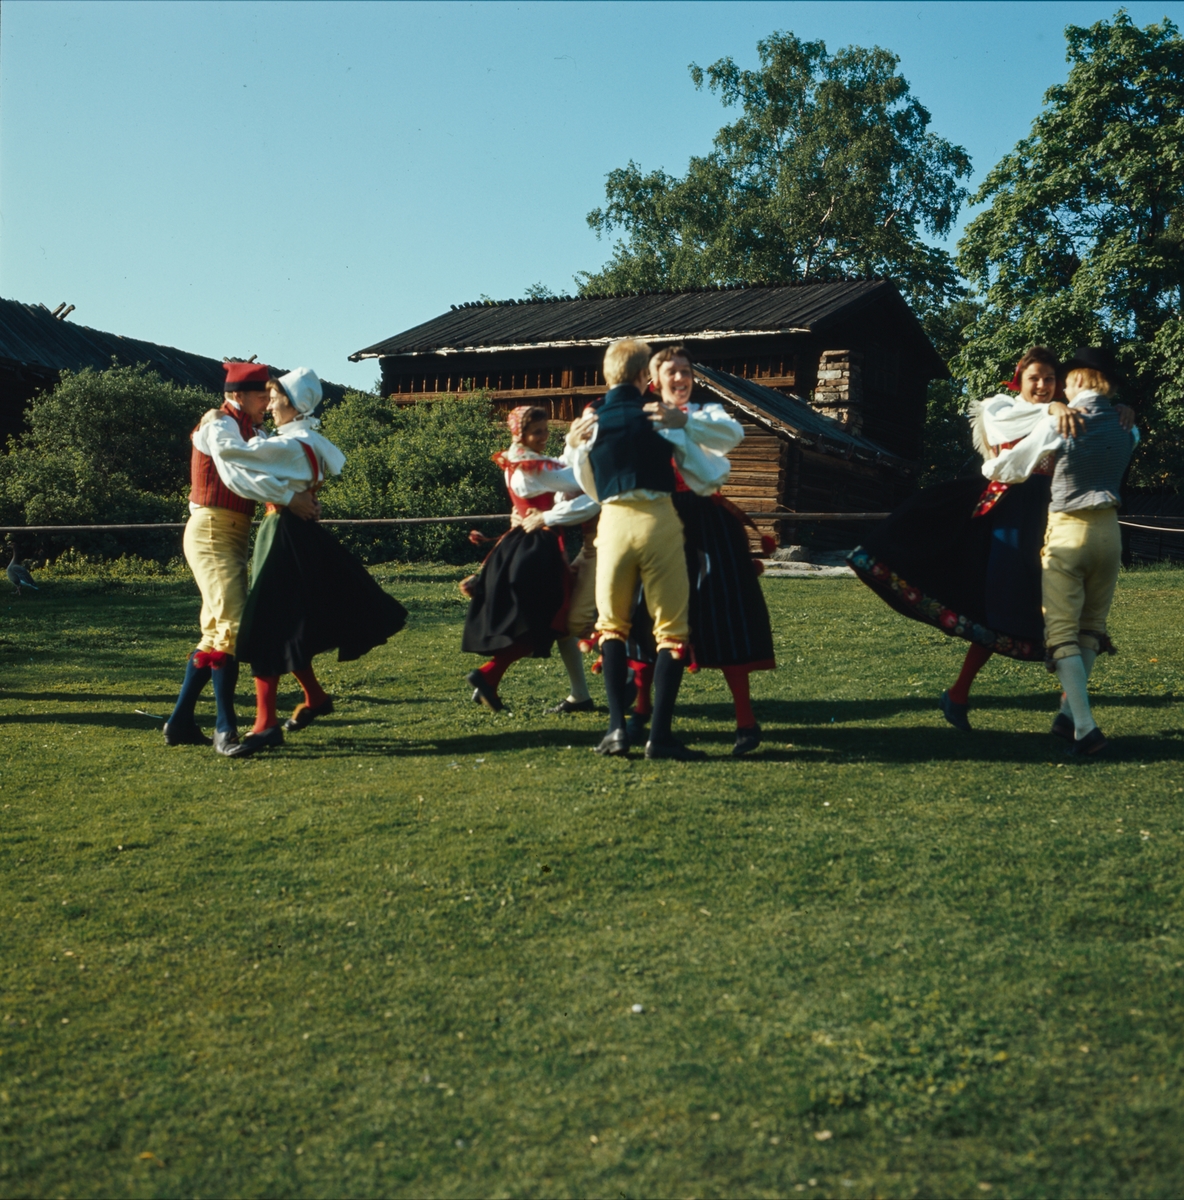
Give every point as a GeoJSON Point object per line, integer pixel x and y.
{"type": "Point", "coordinates": [299, 180]}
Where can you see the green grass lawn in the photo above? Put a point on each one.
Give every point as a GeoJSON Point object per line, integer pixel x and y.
{"type": "Point", "coordinates": [402, 955]}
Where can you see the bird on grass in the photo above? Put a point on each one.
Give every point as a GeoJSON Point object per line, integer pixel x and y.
{"type": "Point", "coordinates": [18, 575]}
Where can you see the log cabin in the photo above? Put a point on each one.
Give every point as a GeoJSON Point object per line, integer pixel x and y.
{"type": "Point", "coordinates": [829, 378]}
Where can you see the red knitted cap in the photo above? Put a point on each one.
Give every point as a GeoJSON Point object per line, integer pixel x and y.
{"type": "Point", "coordinates": [245, 377]}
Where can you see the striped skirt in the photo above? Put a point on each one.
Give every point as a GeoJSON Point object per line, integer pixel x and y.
{"type": "Point", "coordinates": [729, 618]}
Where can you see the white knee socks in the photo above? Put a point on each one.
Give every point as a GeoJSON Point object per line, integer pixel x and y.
{"type": "Point", "coordinates": [573, 660]}
{"type": "Point", "coordinates": [1088, 658]}
{"type": "Point", "coordinates": [1072, 674]}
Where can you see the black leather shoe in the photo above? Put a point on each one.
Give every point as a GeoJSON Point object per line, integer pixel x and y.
{"type": "Point", "coordinates": [635, 727]}
{"type": "Point", "coordinates": [748, 738]}
{"type": "Point", "coordinates": [306, 714]}
{"type": "Point", "coordinates": [1094, 742]}
{"type": "Point", "coordinates": [954, 713]}
{"type": "Point", "coordinates": [570, 706]}
{"type": "Point", "coordinates": [226, 743]}
{"type": "Point", "coordinates": [673, 749]}
{"type": "Point", "coordinates": [1063, 727]}
{"type": "Point", "coordinates": [253, 742]}
{"type": "Point", "coordinates": [185, 735]}
{"type": "Point", "coordinates": [483, 693]}
{"type": "Point", "coordinates": [614, 744]}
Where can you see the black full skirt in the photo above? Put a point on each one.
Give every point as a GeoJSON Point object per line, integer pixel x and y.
{"type": "Point", "coordinates": [310, 595]}
{"type": "Point", "coordinates": [521, 592]}
{"type": "Point", "coordinates": [975, 578]}
{"type": "Point", "coordinates": [729, 617]}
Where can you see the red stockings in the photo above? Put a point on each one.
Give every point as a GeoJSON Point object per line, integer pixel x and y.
{"type": "Point", "coordinates": [266, 687]}
{"type": "Point", "coordinates": [738, 681]}
{"type": "Point", "coordinates": [501, 662]}
{"type": "Point", "coordinates": [314, 694]}
{"type": "Point", "coordinates": [974, 662]}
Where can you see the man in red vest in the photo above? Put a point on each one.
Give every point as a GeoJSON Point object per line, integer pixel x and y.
{"type": "Point", "coordinates": [217, 539]}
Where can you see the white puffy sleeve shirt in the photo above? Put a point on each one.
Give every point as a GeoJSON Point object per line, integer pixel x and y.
{"type": "Point", "coordinates": [1018, 463]}
{"type": "Point", "coordinates": [270, 470]}
{"type": "Point", "coordinates": [700, 450]}
{"type": "Point", "coordinates": [572, 505]}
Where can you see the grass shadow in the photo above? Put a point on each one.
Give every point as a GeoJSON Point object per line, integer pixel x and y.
{"type": "Point", "coordinates": [86, 697]}
{"type": "Point", "coordinates": [826, 743]}
{"type": "Point", "coordinates": [106, 719]}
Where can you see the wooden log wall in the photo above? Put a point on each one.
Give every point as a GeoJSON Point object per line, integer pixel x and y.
{"type": "Point", "coordinates": [757, 482]}
{"type": "Point", "coordinates": [831, 483]}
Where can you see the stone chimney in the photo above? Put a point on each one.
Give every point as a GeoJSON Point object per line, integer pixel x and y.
{"type": "Point", "coordinates": [839, 390]}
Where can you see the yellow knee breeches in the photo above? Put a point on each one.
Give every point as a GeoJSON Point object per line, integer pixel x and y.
{"type": "Point", "coordinates": [1080, 563]}
{"type": "Point", "coordinates": [216, 542]}
{"type": "Point", "coordinates": [642, 540]}
{"type": "Point", "coordinates": [581, 613]}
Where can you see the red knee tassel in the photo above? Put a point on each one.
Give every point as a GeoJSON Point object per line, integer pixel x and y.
{"type": "Point", "coordinates": [266, 687]}
{"type": "Point", "coordinates": [210, 658]}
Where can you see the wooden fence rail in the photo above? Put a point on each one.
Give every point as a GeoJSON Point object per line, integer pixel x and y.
{"type": "Point", "coordinates": [478, 517]}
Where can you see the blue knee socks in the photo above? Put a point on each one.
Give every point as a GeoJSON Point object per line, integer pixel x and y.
{"type": "Point", "coordinates": [615, 669]}
{"type": "Point", "coordinates": [192, 687]}
{"type": "Point", "coordinates": [667, 678]}
{"type": "Point", "coordinates": [225, 679]}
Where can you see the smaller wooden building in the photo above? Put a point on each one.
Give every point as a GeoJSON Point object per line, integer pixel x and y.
{"type": "Point", "coordinates": [795, 459]}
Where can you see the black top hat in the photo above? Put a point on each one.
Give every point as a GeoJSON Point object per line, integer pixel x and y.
{"type": "Point", "coordinates": [1093, 358]}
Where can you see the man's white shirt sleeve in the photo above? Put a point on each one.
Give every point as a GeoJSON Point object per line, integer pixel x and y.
{"type": "Point", "coordinates": [242, 467]}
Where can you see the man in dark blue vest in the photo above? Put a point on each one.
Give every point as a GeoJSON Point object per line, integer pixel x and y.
{"type": "Point", "coordinates": [622, 461]}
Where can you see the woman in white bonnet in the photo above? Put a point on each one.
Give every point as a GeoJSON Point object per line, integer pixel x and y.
{"type": "Point", "coordinates": [308, 593]}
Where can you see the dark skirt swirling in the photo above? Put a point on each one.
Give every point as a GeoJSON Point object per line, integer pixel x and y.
{"type": "Point", "coordinates": [975, 578]}
{"type": "Point", "coordinates": [522, 591]}
{"type": "Point", "coordinates": [310, 595]}
{"type": "Point", "coordinates": [729, 617]}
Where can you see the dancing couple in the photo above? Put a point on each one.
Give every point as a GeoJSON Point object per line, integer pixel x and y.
{"type": "Point", "coordinates": [1027, 565]}
{"type": "Point", "coordinates": [306, 595]}
{"type": "Point", "coordinates": [643, 477]}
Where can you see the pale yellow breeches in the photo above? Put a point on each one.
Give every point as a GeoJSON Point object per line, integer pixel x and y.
{"type": "Point", "coordinates": [216, 543]}
{"type": "Point", "coordinates": [581, 613]}
{"type": "Point", "coordinates": [642, 540]}
{"type": "Point", "coordinates": [1081, 559]}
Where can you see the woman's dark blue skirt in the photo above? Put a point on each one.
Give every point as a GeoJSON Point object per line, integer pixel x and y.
{"type": "Point", "coordinates": [976, 578]}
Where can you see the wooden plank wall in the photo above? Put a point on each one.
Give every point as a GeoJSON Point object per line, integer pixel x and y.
{"type": "Point", "coordinates": [757, 482]}
{"type": "Point", "coordinates": [831, 483]}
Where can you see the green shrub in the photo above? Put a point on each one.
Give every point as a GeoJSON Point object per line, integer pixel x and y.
{"type": "Point", "coordinates": [104, 447]}
{"type": "Point", "coordinates": [420, 460]}
{"type": "Point", "coordinates": [112, 447]}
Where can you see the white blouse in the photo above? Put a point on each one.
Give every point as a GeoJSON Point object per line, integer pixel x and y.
{"type": "Point", "coordinates": [272, 469]}
{"type": "Point", "coordinates": [700, 449]}
{"type": "Point", "coordinates": [1018, 463]}
{"type": "Point", "coordinates": [572, 505]}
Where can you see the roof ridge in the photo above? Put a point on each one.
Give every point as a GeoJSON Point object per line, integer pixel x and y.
{"type": "Point", "coordinates": [690, 291]}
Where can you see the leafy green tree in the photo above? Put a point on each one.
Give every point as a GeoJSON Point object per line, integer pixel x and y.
{"type": "Point", "coordinates": [415, 460]}
{"type": "Point", "coordinates": [1083, 239]}
{"type": "Point", "coordinates": [948, 448]}
{"type": "Point", "coordinates": [830, 170]}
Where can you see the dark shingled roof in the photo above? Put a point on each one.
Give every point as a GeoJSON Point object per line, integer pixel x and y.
{"type": "Point", "coordinates": [794, 416]}
{"type": "Point", "coordinates": [30, 336]}
{"type": "Point", "coordinates": [595, 320]}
